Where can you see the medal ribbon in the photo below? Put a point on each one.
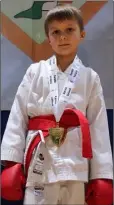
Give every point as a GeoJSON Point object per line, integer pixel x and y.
{"type": "Point", "coordinates": [59, 103]}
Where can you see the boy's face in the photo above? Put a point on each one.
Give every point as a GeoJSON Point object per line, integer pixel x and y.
{"type": "Point", "coordinates": [65, 36]}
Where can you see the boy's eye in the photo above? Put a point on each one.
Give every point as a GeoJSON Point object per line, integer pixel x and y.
{"type": "Point", "coordinates": [56, 32]}
{"type": "Point", "coordinates": [70, 30]}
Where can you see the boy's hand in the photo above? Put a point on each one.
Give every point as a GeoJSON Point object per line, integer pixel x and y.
{"type": "Point", "coordinates": [12, 182]}
{"type": "Point", "coordinates": [99, 192]}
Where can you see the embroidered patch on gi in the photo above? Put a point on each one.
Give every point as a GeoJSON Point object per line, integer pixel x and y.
{"type": "Point", "coordinates": [38, 167]}
{"type": "Point", "coordinates": [39, 190]}
{"type": "Point", "coordinates": [41, 157]}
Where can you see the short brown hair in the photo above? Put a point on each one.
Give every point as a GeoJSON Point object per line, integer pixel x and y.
{"type": "Point", "coordinates": [61, 13]}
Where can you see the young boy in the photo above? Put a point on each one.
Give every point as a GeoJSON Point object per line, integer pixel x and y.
{"type": "Point", "coordinates": [57, 103]}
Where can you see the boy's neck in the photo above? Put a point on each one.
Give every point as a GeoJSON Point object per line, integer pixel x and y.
{"type": "Point", "coordinates": [64, 61]}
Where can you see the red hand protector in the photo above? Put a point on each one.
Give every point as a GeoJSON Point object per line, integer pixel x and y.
{"type": "Point", "coordinates": [12, 182]}
{"type": "Point", "coordinates": [99, 192]}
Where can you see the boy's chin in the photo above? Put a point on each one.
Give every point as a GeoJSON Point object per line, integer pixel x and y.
{"type": "Point", "coordinates": [65, 53]}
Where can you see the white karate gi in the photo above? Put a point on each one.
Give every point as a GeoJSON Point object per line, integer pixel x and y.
{"type": "Point", "coordinates": [33, 99]}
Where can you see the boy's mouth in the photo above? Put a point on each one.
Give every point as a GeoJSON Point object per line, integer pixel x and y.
{"type": "Point", "coordinates": [63, 45]}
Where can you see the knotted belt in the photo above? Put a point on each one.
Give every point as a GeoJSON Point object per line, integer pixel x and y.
{"type": "Point", "coordinates": [70, 118]}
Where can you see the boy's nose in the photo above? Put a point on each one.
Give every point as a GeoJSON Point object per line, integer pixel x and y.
{"type": "Point", "coordinates": [63, 37]}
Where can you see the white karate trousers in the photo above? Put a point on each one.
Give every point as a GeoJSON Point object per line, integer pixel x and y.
{"type": "Point", "coordinates": [63, 193]}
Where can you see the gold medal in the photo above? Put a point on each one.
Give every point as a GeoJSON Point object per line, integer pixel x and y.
{"type": "Point", "coordinates": [58, 135]}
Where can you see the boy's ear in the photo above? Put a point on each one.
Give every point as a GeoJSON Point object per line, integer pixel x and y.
{"type": "Point", "coordinates": [83, 34]}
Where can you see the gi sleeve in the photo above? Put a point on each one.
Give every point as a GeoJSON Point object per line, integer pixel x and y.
{"type": "Point", "coordinates": [101, 163]}
{"type": "Point", "coordinates": [13, 143]}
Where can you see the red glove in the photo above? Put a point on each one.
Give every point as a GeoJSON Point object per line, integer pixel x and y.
{"type": "Point", "coordinates": [12, 182]}
{"type": "Point", "coordinates": [99, 192]}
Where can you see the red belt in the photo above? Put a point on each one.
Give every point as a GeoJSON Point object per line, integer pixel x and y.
{"type": "Point", "coordinates": [70, 118]}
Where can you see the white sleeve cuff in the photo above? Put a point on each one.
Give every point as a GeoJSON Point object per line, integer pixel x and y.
{"type": "Point", "coordinates": [12, 154]}
{"type": "Point", "coordinates": [106, 175]}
